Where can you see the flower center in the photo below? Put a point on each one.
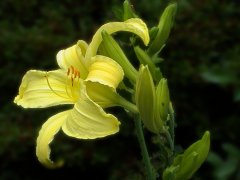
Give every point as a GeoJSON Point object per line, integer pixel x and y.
{"type": "Point", "coordinates": [72, 85]}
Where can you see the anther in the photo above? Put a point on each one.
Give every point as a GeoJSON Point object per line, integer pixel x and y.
{"type": "Point", "coordinates": [73, 73]}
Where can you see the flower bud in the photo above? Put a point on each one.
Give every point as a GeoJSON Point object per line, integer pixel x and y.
{"type": "Point", "coordinates": [164, 27]}
{"type": "Point", "coordinates": [128, 11]}
{"type": "Point", "coordinates": [153, 32]}
{"type": "Point", "coordinates": [162, 100]}
{"type": "Point", "coordinates": [110, 48]}
{"type": "Point", "coordinates": [145, 98]}
{"type": "Point", "coordinates": [144, 59]}
{"type": "Point", "coordinates": [186, 164]}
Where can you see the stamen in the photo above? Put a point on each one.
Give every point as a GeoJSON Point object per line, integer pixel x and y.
{"type": "Point", "coordinates": [71, 93]}
{"type": "Point", "coordinates": [68, 72]}
{"type": "Point", "coordinates": [73, 74]}
{"type": "Point", "coordinates": [46, 76]}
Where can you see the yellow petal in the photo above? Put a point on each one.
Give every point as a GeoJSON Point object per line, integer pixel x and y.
{"type": "Point", "coordinates": [105, 71]}
{"type": "Point", "coordinates": [83, 46]}
{"type": "Point", "coordinates": [43, 89]}
{"type": "Point", "coordinates": [45, 137]}
{"type": "Point", "coordinates": [134, 25]}
{"type": "Point", "coordinates": [87, 120]}
{"type": "Point", "coordinates": [73, 56]}
{"type": "Point", "coordinates": [101, 94]}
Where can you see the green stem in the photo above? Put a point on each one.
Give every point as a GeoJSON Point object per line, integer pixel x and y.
{"type": "Point", "coordinates": [170, 141]}
{"type": "Point", "coordinates": [172, 123]}
{"type": "Point", "coordinates": [170, 134]}
{"type": "Point", "coordinates": [146, 159]}
{"type": "Point", "coordinates": [127, 105]}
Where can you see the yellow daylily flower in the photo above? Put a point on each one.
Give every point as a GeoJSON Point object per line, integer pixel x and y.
{"type": "Point", "coordinates": [87, 119]}
{"type": "Point", "coordinates": [85, 80]}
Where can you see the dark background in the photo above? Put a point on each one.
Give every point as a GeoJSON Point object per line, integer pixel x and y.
{"type": "Point", "coordinates": [202, 65]}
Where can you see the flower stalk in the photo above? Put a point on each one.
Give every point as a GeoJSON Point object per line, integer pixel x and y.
{"type": "Point", "coordinates": [139, 131]}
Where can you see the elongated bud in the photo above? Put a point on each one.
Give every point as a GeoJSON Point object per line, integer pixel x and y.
{"type": "Point", "coordinates": [186, 164]}
{"type": "Point", "coordinates": [128, 11]}
{"type": "Point", "coordinates": [144, 59]}
{"type": "Point", "coordinates": [162, 100]}
{"type": "Point", "coordinates": [110, 48]}
{"type": "Point", "coordinates": [153, 32]}
{"type": "Point", "coordinates": [164, 27]}
{"type": "Point", "coordinates": [145, 98]}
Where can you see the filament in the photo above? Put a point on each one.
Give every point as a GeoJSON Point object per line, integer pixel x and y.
{"type": "Point", "coordinates": [72, 80]}
{"type": "Point", "coordinates": [49, 85]}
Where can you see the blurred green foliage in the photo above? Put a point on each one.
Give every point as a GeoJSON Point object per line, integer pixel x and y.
{"type": "Point", "coordinates": [202, 61]}
{"type": "Point", "coordinates": [227, 167]}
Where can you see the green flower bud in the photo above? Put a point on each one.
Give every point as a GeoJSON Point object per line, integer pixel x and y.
{"type": "Point", "coordinates": [110, 48]}
{"type": "Point", "coordinates": [163, 100]}
{"type": "Point", "coordinates": [144, 59]}
{"type": "Point", "coordinates": [164, 27]}
{"type": "Point", "coordinates": [128, 11]}
{"type": "Point", "coordinates": [153, 32]}
{"type": "Point", "coordinates": [145, 98]}
{"type": "Point", "coordinates": [186, 164]}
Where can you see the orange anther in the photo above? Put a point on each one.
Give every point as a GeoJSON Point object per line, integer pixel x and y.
{"type": "Point", "coordinates": [68, 72]}
{"type": "Point", "coordinates": [73, 73]}
{"type": "Point", "coordinates": [72, 68]}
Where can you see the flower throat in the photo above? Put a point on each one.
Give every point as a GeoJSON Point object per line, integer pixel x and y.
{"type": "Point", "coordinates": [71, 85]}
